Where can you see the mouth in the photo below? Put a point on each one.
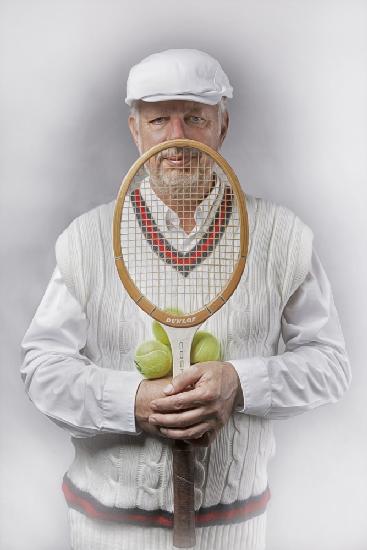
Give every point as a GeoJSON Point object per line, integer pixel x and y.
{"type": "Point", "coordinates": [179, 158]}
{"type": "Point", "coordinates": [175, 161]}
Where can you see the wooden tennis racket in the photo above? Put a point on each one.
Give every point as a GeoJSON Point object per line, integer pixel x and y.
{"type": "Point", "coordinates": [180, 239]}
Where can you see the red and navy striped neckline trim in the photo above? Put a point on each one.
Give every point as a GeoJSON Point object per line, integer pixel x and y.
{"type": "Point", "coordinates": [220, 514]}
{"type": "Point", "coordinates": [184, 262]}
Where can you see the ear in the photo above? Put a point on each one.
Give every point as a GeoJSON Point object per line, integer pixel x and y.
{"type": "Point", "coordinates": [224, 128]}
{"type": "Point", "coordinates": [134, 129]}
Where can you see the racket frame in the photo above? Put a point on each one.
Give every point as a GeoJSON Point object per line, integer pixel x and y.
{"type": "Point", "coordinates": [197, 317]}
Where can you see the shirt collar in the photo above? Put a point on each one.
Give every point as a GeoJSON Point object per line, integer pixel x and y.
{"type": "Point", "coordinates": [168, 221]}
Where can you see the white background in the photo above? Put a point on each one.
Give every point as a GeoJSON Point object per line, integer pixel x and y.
{"type": "Point", "coordinates": [297, 136]}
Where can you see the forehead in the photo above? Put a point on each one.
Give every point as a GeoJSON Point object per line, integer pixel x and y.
{"type": "Point", "coordinates": [176, 106]}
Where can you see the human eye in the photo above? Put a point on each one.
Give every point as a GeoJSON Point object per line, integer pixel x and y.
{"type": "Point", "coordinates": [196, 120]}
{"type": "Point", "coordinates": [158, 121]}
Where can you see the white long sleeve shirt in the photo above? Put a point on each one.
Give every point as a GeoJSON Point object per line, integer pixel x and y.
{"type": "Point", "coordinates": [313, 369]}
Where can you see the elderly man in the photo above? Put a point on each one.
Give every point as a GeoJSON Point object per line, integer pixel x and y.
{"type": "Point", "coordinates": [78, 363]}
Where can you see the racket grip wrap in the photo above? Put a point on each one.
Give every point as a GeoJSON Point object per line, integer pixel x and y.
{"type": "Point", "coordinates": [183, 495]}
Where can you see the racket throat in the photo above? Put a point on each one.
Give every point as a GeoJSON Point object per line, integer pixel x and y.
{"type": "Point", "coordinates": [181, 339]}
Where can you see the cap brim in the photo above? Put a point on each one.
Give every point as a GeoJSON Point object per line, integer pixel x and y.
{"type": "Point", "coordinates": [208, 100]}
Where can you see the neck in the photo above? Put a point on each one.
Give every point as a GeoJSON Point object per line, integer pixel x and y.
{"type": "Point", "coordinates": [185, 211]}
{"type": "Point", "coordinates": [184, 207]}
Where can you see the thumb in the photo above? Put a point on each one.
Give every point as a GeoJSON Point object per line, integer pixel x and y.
{"type": "Point", "coordinates": [181, 381]}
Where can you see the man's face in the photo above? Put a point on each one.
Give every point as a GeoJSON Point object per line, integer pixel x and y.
{"type": "Point", "coordinates": [163, 120]}
{"type": "Point", "coordinates": [176, 173]}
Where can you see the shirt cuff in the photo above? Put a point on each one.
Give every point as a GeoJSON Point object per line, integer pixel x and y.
{"type": "Point", "coordinates": [119, 401]}
{"type": "Point", "coordinates": [255, 384]}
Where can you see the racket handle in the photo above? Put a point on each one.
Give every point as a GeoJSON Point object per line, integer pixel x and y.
{"type": "Point", "coordinates": [183, 495]}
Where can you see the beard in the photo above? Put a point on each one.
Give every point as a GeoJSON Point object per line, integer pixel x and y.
{"type": "Point", "coordinates": [178, 185]}
{"type": "Point", "coordinates": [190, 182]}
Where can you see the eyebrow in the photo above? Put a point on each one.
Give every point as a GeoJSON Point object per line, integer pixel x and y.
{"type": "Point", "coordinates": [165, 112]}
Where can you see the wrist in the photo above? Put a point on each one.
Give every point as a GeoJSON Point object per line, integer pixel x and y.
{"type": "Point", "coordinates": [238, 402]}
{"type": "Point", "coordinates": [141, 412]}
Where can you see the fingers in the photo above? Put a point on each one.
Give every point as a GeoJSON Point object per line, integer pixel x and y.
{"type": "Point", "coordinates": [149, 428]}
{"type": "Point", "coordinates": [181, 401]}
{"type": "Point", "coordinates": [181, 381]}
{"type": "Point", "coordinates": [192, 433]}
{"type": "Point", "coordinates": [180, 420]}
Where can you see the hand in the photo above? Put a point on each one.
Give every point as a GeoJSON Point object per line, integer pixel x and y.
{"type": "Point", "coordinates": [147, 391]}
{"type": "Point", "coordinates": [199, 403]}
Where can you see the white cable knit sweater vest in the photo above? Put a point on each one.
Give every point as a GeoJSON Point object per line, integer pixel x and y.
{"type": "Point", "coordinates": [124, 471]}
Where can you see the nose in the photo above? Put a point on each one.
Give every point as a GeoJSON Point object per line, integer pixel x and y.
{"type": "Point", "coordinates": [176, 128]}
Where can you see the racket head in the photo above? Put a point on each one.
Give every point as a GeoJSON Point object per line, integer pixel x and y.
{"type": "Point", "coordinates": [209, 178]}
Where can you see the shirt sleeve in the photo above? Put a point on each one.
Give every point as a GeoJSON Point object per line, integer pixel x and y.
{"type": "Point", "coordinates": [64, 384]}
{"type": "Point", "coordinates": [314, 368]}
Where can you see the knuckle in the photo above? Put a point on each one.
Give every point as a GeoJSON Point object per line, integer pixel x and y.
{"type": "Point", "coordinates": [179, 401]}
{"type": "Point", "coordinates": [212, 394]}
{"type": "Point", "coordinates": [207, 394]}
{"type": "Point", "coordinates": [193, 369]}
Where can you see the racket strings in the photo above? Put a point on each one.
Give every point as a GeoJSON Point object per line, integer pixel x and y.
{"type": "Point", "coordinates": [180, 229]}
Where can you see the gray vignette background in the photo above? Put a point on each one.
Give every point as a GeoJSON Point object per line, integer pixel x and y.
{"type": "Point", "coordinates": [297, 136]}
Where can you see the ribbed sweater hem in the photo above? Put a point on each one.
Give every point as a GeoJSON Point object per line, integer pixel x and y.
{"type": "Point", "coordinates": [220, 514]}
{"type": "Point", "coordinates": [89, 534]}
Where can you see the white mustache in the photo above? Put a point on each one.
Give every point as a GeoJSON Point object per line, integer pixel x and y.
{"type": "Point", "coordinates": [178, 152]}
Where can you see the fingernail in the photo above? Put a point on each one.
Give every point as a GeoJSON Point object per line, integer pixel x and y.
{"type": "Point", "coordinates": [152, 419]}
{"type": "Point", "coordinates": [168, 388]}
{"type": "Point", "coordinates": [163, 430]}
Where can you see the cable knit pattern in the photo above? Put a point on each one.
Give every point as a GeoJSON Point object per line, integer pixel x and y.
{"type": "Point", "coordinates": [136, 471]}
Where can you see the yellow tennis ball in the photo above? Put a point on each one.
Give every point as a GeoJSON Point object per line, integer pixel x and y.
{"type": "Point", "coordinates": [205, 347]}
{"type": "Point", "coordinates": [158, 331]}
{"type": "Point", "coordinates": [153, 359]}
{"type": "Point", "coordinates": [160, 334]}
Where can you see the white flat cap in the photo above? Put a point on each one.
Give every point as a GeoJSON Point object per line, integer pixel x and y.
{"type": "Point", "coordinates": [178, 74]}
